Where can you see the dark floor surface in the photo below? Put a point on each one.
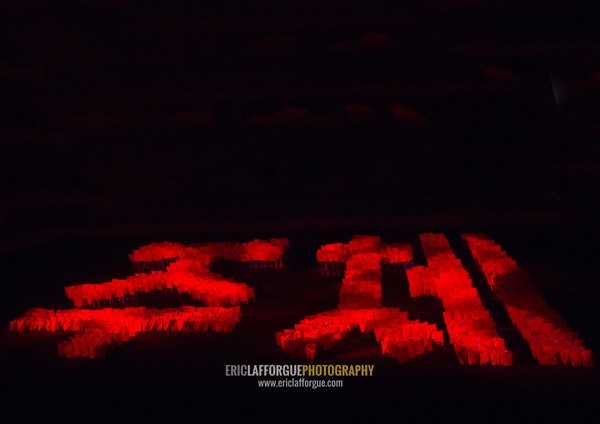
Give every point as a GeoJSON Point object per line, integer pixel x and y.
{"type": "Point", "coordinates": [181, 377]}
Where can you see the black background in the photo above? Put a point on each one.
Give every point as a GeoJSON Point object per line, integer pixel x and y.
{"type": "Point", "coordinates": [125, 122]}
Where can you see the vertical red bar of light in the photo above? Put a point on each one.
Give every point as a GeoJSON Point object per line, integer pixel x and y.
{"type": "Point", "coordinates": [551, 340]}
{"type": "Point", "coordinates": [471, 329]}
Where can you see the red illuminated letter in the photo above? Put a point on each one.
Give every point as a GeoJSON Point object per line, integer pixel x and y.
{"type": "Point", "coordinates": [360, 305]}
{"type": "Point", "coordinates": [187, 271]}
